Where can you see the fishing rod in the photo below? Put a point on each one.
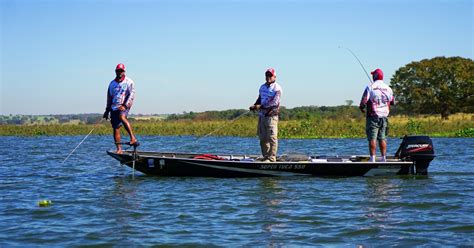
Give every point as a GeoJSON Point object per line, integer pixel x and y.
{"type": "Point", "coordinates": [97, 123]}
{"type": "Point", "coordinates": [225, 124]}
{"type": "Point", "coordinates": [360, 63]}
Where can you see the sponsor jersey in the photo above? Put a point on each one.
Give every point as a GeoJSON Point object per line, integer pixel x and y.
{"type": "Point", "coordinates": [377, 97]}
{"type": "Point", "coordinates": [269, 99]}
{"type": "Point", "coordinates": [120, 94]}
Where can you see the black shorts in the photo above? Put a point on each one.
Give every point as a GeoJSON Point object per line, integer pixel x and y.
{"type": "Point", "coordinates": [115, 118]}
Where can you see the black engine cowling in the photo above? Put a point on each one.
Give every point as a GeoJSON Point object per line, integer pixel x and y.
{"type": "Point", "coordinates": [418, 149]}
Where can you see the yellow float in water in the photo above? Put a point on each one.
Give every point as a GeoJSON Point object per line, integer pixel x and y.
{"type": "Point", "coordinates": [44, 203]}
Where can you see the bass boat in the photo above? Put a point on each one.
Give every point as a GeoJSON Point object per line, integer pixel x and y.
{"type": "Point", "coordinates": [413, 157]}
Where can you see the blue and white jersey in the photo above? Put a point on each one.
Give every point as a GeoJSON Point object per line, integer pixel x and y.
{"type": "Point", "coordinates": [121, 94]}
{"type": "Point", "coordinates": [270, 99]}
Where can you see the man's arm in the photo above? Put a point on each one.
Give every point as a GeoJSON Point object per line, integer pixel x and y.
{"type": "Point", "coordinates": [364, 100]}
{"type": "Point", "coordinates": [130, 97]}
{"type": "Point", "coordinates": [108, 106]}
{"type": "Point", "coordinates": [257, 104]}
{"type": "Point", "coordinates": [392, 101]}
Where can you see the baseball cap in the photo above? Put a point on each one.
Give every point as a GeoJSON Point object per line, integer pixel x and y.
{"type": "Point", "coordinates": [120, 67]}
{"type": "Point", "coordinates": [377, 74]}
{"type": "Point", "coordinates": [270, 70]}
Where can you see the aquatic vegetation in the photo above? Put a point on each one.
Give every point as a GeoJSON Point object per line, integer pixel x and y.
{"type": "Point", "coordinates": [467, 132]}
{"type": "Point", "coordinates": [459, 125]}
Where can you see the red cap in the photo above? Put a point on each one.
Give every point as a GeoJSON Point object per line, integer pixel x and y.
{"type": "Point", "coordinates": [120, 67]}
{"type": "Point", "coordinates": [270, 70]}
{"type": "Point", "coordinates": [377, 74]}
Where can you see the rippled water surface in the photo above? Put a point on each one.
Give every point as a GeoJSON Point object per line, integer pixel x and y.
{"type": "Point", "coordinates": [98, 202]}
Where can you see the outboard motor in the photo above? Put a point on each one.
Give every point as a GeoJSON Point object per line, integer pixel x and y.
{"type": "Point", "coordinates": [418, 149]}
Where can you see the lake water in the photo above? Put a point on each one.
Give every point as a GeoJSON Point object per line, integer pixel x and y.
{"type": "Point", "coordinates": [97, 202]}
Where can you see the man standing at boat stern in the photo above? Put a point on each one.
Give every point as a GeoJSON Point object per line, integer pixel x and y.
{"type": "Point", "coordinates": [375, 102]}
{"type": "Point", "coordinates": [268, 107]}
{"type": "Point", "coordinates": [120, 96]}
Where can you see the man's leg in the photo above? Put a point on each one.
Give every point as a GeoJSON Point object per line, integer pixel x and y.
{"type": "Point", "coordinates": [273, 138]}
{"type": "Point", "coordinates": [265, 147]}
{"type": "Point", "coordinates": [383, 123]}
{"type": "Point", "coordinates": [371, 130]}
{"type": "Point", "coordinates": [372, 147]}
{"type": "Point", "coordinates": [262, 135]}
{"type": "Point", "coordinates": [128, 128]}
{"type": "Point", "coordinates": [273, 148]}
{"type": "Point", "coordinates": [117, 140]}
{"type": "Point", "coordinates": [383, 149]}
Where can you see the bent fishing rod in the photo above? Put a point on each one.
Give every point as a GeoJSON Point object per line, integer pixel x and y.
{"type": "Point", "coordinates": [360, 63]}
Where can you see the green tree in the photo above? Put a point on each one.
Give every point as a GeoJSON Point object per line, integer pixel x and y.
{"type": "Point", "coordinates": [435, 86]}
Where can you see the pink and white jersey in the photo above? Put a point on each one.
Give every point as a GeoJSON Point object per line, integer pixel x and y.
{"type": "Point", "coordinates": [377, 97]}
{"type": "Point", "coordinates": [269, 96]}
{"type": "Point", "coordinates": [120, 94]}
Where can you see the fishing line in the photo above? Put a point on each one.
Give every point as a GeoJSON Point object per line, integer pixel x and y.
{"type": "Point", "coordinates": [225, 124]}
{"type": "Point", "coordinates": [360, 63]}
{"type": "Point", "coordinates": [97, 123]}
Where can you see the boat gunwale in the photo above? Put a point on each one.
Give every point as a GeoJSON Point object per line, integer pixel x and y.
{"type": "Point", "coordinates": [150, 155]}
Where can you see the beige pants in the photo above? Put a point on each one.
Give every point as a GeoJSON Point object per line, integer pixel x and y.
{"type": "Point", "coordinates": [268, 134]}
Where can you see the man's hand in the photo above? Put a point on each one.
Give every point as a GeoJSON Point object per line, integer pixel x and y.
{"type": "Point", "coordinates": [106, 115]}
{"type": "Point", "coordinates": [362, 109]}
{"type": "Point", "coordinates": [122, 108]}
{"type": "Point", "coordinates": [254, 107]}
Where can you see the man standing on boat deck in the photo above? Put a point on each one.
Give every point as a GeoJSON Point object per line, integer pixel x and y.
{"type": "Point", "coordinates": [375, 102]}
{"type": "Point", "coordinates": [268, 107]}
{"type": "Point", "coordinates": [120, 96]}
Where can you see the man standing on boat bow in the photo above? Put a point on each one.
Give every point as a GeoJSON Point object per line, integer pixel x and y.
{"type": "Point", "coordinates": [268, 107]}
{"type": "Point", "coordinates": [120, 96]}
{"type": "Point", "coordinates": [377, 98]}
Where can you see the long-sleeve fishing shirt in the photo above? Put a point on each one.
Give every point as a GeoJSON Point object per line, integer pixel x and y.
{"type": "Point", "coordinates": [377, 97]}
{"type": "Point", "coordinates": [269, 99]}
{"type": "Point", "coordinates": [120, 94]}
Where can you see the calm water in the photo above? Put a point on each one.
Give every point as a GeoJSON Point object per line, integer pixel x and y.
{"type": "Point", "coordinates": [97, 202]}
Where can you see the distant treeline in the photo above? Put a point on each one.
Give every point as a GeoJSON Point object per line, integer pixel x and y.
{"type": "Point", "coordinates": [298, 113]}
{"type": "Point", "coordinates": [49, 119]}
{"type": "Point", "coordinates": [342, 112]}
{"type": "Point", "coordinates": [286, 114]}
{"type": "Point", "coordinates": [58, 119]}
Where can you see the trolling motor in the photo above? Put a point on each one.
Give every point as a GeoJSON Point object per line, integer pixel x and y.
{"type": "Point", "coordinates": [418, 149]}
{"type": "Point", "coordinates": [134, 153]}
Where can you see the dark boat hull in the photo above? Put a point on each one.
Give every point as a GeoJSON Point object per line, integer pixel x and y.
{"type": "Point", "coordinates": [412, 157]}
{"type": "Point", "coordinates": [163, 164]}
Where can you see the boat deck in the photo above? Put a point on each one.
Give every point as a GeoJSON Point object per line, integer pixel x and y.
{"type": "Point", "coordinates": [284, 158]}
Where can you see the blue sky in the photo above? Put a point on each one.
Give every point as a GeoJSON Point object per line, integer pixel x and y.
{"type": "Point", "coordinates": [58, 57]}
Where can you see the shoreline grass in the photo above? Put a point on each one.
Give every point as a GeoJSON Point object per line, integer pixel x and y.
{"type": "Point", "coordinates": [459, 125]}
